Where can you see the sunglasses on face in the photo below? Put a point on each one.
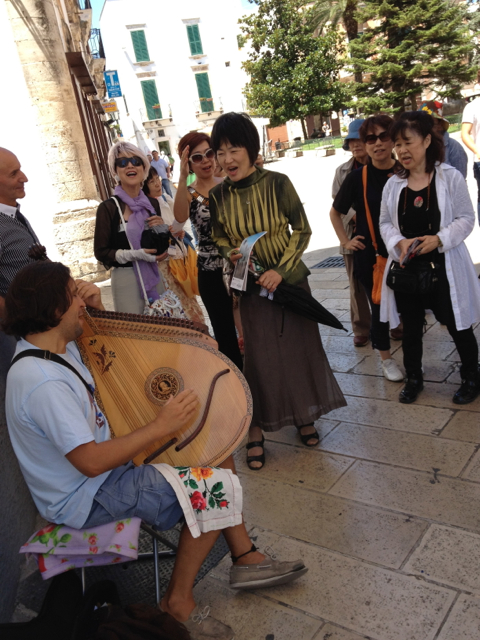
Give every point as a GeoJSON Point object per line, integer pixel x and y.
{"type": "Point", "coordinates": [135, 161]}
{"type": "Point", "coordinates": [197, 158]}
{"type": "Point", "coordinates": [372, 138]}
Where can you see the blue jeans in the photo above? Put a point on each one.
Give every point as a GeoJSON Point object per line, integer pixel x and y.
{"type": "Point", "coordinates": [166, 186]}
{"type": "Point", "coordinates": [476, 174]}
{"type": "Point", "coordinates": [141, 492]}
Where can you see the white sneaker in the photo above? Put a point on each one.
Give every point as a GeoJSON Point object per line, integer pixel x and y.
{"type": "Point", "coordinates": [391, 370]}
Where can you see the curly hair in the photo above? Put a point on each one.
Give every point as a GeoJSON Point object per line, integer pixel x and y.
{"type": "Point", "coordinates": [37, 298]}
{"type": "Point", "coordinates": [421, 123]}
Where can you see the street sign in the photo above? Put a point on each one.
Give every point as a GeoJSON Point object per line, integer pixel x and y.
{"type": "Point", "coordinates": [110, 106]}
{"type": "Point", "coordinates": [113, 84]}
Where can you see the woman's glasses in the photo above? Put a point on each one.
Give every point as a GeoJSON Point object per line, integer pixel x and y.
{"type": "Point", "coordinates": [135, 161]}
{"type": "Point", "coordinates": [197, 158]}
{"type": "Point", "coordinates": [372, 138]}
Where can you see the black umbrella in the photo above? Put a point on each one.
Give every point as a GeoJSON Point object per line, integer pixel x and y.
{"type": "Point", "coordinates": [299, 301]}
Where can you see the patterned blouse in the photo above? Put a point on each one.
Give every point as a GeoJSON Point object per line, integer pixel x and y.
{"type": "Point", "coordinates": [208, 258]}
{"type": "Point", "coordinates": [263, 201]}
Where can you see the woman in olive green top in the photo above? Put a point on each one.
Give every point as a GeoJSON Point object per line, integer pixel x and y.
{"type": "Point", "coordinates": [285, 364]}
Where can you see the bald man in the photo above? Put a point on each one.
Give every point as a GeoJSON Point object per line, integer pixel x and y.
{"type": "Point", "coordinates": [16, 234]}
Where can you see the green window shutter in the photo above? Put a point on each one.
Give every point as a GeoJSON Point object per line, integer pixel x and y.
{"type": "Point", "coordinates": [194, 41]}
{"type": "Point", "coordinates": [150, 95]}
{"type": "Point", "coordinates": [204, 92]}
{"type": "Point", "coordinates": [140, 46]}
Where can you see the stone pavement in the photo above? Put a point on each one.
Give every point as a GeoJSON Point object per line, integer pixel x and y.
{"type": "Point", "coordinates": [385, 511]}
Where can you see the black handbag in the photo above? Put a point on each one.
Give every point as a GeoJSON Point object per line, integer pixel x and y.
{"type": "Point", "coordinates": [157, 237]}
{"type": "Point", "coordinates": [420, 278]}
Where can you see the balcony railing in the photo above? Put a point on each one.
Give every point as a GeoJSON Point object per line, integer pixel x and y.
{"type": "Point", "coordinates": [84, 4]}
{"type": "Point", "coordinates": [95, 43]}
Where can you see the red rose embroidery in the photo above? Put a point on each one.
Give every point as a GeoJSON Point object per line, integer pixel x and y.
{"type": "Point", "coordinates": [92, 539]}
{"type": "Point", "coordinates": [45, 530]}
{"type": "Point", "coordinates": [224, 503]}
{"type": "Point", "coordinates": [93, 549]}
{"type": "Point", "coordinates": [41, 563]}
{"type": "Point", "coordinates": [182, 475]}
{"type": "Point", "coordinates": [198, 501]}
{"type": "Point", "coordinates": [120, 527]}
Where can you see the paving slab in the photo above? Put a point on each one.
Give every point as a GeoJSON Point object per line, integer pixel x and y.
{"type": "Point", "coordinates": [437, 331]}
{"type": "Point", "coordinates": [253, 617]}
{"type": "Point", "coordinates": [332, 632]}
{"type": "Point", "coordinates": [426, 495]}
{"type": "Point", "coordinates": [325, 275]}
{"type": "Point", "coordinates": [369, 600]}
{"type": "Point", "coordinates": [392, 415]}
{"type": "Point", "coordinates": [440, 394]}
{"type": "Point", "coordinates": [322, 285]}
{"type": "Point", "coordinates": [463, 623]}
{"type": "Point", "coordinates": [344, 362]}
{"type": "Point", "coordinates": [342, 344]}
{"type": "Point", "coordinates": [472, 472]}
{"type": "Point", "coordinates": [465, 425]}
{"type": "Point", "coordinates": [336, 304]}
{"type": "Point", "coordinates": [399, 448]}
{"type": "Point", "coordinates": [335, 292]}
{"type": "Point", "coordinates": [294, 465]}
{"type": "Point", "coordinates": [331, 331]}
{"type": "Point", "coordinates": [376, 535]}
{"type": "Point", "coordinates": [367, 386]}
{"type": "Point", "coordinates": [449, 556]}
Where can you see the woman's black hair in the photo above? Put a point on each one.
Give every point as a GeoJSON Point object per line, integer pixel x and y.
{"type": "Point", "coordinates": [421, 123]}
{"type": "Point", "coordinates": [380, 120]}
{"type": "Point", "coordinates": [37, 298]}
{"type": "Point", "coordinates": [238, 130]}
{"type": "Point", "coordinates": [151, 174]}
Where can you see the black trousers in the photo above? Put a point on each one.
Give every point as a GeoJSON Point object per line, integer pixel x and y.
{"type": "Point", "coordinates": [220, 310]}
{"type": "Point", "coordinates": [412, 309]}
{"type": "Point", "coordinates": [379, 331]}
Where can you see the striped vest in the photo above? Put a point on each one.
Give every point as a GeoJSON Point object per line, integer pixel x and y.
{"type": "Point", "coordinates": [15, 240]}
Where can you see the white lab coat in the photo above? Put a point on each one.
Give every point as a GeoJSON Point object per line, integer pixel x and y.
{"type": "Point", "coordinates": [457, 219]}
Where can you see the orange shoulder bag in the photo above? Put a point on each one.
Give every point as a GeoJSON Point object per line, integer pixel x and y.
{"type": "Point", "coordinates": [380, 262]}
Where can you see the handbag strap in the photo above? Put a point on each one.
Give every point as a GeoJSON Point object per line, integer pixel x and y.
{"type": "Point", "coordinates": [145, 297]}
{"type": "Point", "coordinates": [367, 209]}
{"type": "Point", "coordinates": [198, 197]}
{"type": "Point", "coordinates": [48, 355]}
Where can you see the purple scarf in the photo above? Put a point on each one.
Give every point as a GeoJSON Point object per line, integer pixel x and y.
{"type": "Point", "coordinates": [141, 209]}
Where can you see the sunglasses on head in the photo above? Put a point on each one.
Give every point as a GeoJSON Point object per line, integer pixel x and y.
{"type": "Point", "coordinates": [135, 161]}
{"type": "Point", "coordinates": [372, 138]}
{"type": "Point", "coordinates": [197, 158]}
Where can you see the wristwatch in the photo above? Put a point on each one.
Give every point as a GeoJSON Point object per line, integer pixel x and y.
{"type": "Point", "coordinates": [440, 243]}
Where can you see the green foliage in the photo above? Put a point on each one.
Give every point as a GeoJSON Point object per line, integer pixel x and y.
{"type": "Point", "coordinates": [292, 73]}
{"type": "Point", "coordinates": [413, 45]}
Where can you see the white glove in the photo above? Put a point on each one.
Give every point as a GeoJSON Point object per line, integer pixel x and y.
{"type": "Point", "coordinates": [122, 256]}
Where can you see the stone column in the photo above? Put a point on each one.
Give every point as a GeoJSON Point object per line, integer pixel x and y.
{"type": "Point", "coordinates": [42, 37]}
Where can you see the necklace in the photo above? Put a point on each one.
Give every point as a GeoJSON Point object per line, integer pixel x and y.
{"type": "Point", "coordinates": [418, 202]}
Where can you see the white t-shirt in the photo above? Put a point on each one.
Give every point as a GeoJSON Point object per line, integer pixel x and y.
{"type": "Point", "coordinates": [50, 413]}
{"type": "Point", "coordinates": [471, 114]}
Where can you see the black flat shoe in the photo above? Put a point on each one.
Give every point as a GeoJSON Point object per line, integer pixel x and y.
{"type": "Point", "coordinates": [305, 438]}
{"type": "Point", "coordinates": [410, 391]}
{"type": "Point", "coordinates": [260, 458]}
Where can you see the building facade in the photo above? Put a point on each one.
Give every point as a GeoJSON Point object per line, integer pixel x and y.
{"type": "Point", "coordinates": [179, 69]}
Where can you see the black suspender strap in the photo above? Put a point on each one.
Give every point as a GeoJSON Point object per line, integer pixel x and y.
{"type": "Point", "coordinates": [48, 355]}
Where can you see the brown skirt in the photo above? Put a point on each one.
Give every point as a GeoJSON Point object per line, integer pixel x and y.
{"type": "Point", "coordinates": [289, 374]}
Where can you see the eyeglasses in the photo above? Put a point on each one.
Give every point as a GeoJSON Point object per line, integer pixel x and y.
{"type": "Point", "coordinates": [135, 161]}
{"type": "Point", "coordinates": [372, 138]}
{"type": "Point", "coordinates": [197, 158]}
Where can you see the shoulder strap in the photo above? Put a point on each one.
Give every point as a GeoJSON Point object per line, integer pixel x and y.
{"type": "Point", "coordinates": [367, 208]}
{"type": "Point", "coordinates": [199, 198]}
{"type": "Point", "coordinates": [48, 355]}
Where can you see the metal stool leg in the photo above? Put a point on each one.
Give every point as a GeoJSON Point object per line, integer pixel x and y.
{"type": "Point", "coordinates": [155, 566]}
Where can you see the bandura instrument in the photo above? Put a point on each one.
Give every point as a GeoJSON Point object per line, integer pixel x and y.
{"type": "Point", "coordinates": [138, 362]}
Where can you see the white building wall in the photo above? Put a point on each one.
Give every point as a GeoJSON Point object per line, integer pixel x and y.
{"type": "Point", "coordinates": [172, 65]}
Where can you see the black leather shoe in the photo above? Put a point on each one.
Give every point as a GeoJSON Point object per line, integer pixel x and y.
{"type": "Point", "coordinates": [469, 390]}
{"type": "Point", "coordinates": [410, 391]}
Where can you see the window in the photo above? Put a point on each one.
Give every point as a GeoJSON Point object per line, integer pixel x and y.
{"type": "Point", "coordinates": [193, 33]}
{"type": "Point", "coordinates": [150, 95]}
{"type": "Point", "coordinates": [140, 46]}
{"type": "Point", "coordinates": [204, 93]}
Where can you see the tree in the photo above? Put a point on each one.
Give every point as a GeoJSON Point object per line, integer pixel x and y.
{"type": "Point", "coordinates": [293, 74]}
{"type": "Point", "coordinates": [411, 46]}
{"type": "Point", "coordinates": [339, 11]}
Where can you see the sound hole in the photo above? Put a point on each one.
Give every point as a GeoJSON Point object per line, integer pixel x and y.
{"type": "Point", "coordinates": [163, 383]}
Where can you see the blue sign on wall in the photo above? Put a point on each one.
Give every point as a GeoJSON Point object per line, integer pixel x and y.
{"type": "Point", "coordinates": [113, 84]}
